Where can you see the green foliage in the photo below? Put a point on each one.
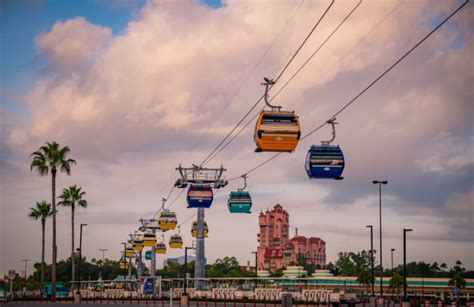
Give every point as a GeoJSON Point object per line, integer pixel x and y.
{"type": "Point", "coordinates": [73, 196]}
{"type": "Point", "coordinates": [51, 157]}
{"type": "Point", "coordinates": [226, 267]}
{"type": "Point", "coordinates": [41, 212]}
{"type": "Point", "coordinates": [365, 278]}
{"type": "Point", "coordinates": [396, 283]}
{"type": "Point", "coordinates": [458, 281]}
{"type": "Point", "coordinates": [350, 263]}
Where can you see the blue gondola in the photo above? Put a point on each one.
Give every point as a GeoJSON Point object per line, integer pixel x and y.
{"type": "Point", "coordinates": [325, 161]}
{"type": "Point", "coordinates": [200, 196]}
{"type": "Point", "coordinates": [239, 202]}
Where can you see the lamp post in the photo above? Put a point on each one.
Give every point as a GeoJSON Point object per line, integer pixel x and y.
{"type": "Point", "coordinates": [372, 256]}
{"type": "Point", "coordinates": [392, 250]}
{"type": "Point", "coordinates": [405, 230]}
{"type": "Point", "coordinates": [103, 250]}
{"type": "Point", "coordinates": [184, 297]}
{"type": "Point", "coordinates": [380, 182]}
{"type": "Point", "coordinates": [80, 260]}
{"type": "Point", "coordinates": [256, 267]}
{"type": "Point", "coordinates": [26, 268]}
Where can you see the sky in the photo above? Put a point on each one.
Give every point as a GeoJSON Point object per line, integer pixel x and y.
{"type": "Point", "coordinates": [136, 88]}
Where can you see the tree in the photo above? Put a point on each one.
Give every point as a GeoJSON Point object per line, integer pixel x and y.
{"type": "Point", "coordinates": [41, 212]}
{"type": "Point", "coordinates": [457, 281]}
{"type": "Point", "coordinates": [396, 283]}
{"type": "Point", "coordinates": [365, 278]}
{"type": "Point", "coordinates": [71, 197]}
{"type": "Point", "coordinates": [50, 158]}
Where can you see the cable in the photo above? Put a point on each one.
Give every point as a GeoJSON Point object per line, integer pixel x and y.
{"type": "Point", "coordinates": [289, 80]}
{"type": "Point", "coordinates": [278, 77]}
{"type": "Point", "coordinates": [367, 87]}
{"type": "Point", "coordinates": [249, 74]}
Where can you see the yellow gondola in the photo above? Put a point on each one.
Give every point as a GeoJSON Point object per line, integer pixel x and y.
{"type": "Point", "coordinates": [160, 248]}
{"type": "Point", "coordinates": [123, 264]}
{"type": "Point", "coordinates": [149, 239]}
{"type": "Point", "coordinates": [194, 229]}
{"type": "Point", "coordinates": [167, 220]}
{"type": "Point", "coordinates": [276, 130]}
{"type": "Point", "coordinates": [129, 252]}
{"type": "Point", "coordinates": [176, 241]}
{"type": "Point", "coordinates": [137, 245]}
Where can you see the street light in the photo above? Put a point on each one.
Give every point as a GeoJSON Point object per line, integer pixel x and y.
{"type": "Point", "coordinates": [392, 250]}
{"type": "Point", "coordinates": [372, 256]}
{"type": "Point", "coordinates": [184, 298]}
{"type": "Point", "coordinates": [26, 269]}
{"type": "Point", "coordinates": [405, 230]}
{"type": "Point", "coordinates": [80, 260]}
{"type": "Point", "coordinates": [380, 182]}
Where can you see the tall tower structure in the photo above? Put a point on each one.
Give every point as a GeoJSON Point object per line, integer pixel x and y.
{"type": "Point", "coordinates": [200, 260]}
{"type": "Point", "coordinates": [273, 237]}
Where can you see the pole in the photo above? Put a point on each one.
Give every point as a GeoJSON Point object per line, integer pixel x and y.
{"type": "Point", "coordinates": [153, 259]}
{"type": "Point", "coordinates": [372, 256]}
{"type": "Point", "coordinates": [200, 265]}
{"type": "Point", "coordinates": [80, 260]}
{"type": "Point", "coordinates": [405, 262]}
{"type": "Point", "coordinates": [380, 224]}
{"type": "Point", "coordinates": [124, 257]}
{"type": "Point", "coordinates": [185, 268]}
{"type": "Point", "coordinates": [380, 182]}
{"type": "Point", "coordinates": [26, 268]}
{"type": "Point", "coordinates": [392, 250]}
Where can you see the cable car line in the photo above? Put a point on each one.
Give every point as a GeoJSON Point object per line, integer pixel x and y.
{"type": "Point", "coordinates": [278, 77]}
{"type": "Point", "coordinates": [289, 80]}
{"type": "Point", "coordinates": [250, 73]}
{"type": "Point", "coordinates": [365, 89]}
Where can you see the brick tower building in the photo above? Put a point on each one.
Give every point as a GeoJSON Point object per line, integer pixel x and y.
{"type": "Point", "coordinates": [276, 250]}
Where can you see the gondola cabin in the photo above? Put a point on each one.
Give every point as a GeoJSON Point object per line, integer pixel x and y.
{"type": "Point", "coordinates": [123, 264]}
{"type": "Point", "coordinates": [194, 229]}
{"type": "Point", "coordinates": [149, 239]}
{"type": "Point", "coordinates": [325, 162]}
{"type": "Point", "coordinates": [167, 220]}
{"type": "Point", "coordinates": [277, 131]}
{"type": "Point", "coordinates": [239, 202]}
{"type": "Point", "coordinates": [129, 252]}
{"type": "Point", "coordinates": [200, 196]}
{"type": "Point", "coordinates": [176, 241]}
{"type": "Point", "coordinates": [137, 245]}
{"type": "Point", "coordinates": [160, 248]}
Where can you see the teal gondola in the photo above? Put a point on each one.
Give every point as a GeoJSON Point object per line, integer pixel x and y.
{"type": "Point", "coordinates": [240, 201]}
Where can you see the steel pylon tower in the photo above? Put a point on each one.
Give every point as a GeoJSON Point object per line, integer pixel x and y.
{"type": "Point", "coordinates": [200, 260]}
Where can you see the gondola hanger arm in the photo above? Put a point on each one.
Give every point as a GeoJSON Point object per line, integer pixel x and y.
{"type": "Point", "coordinates": [333, 124]}
{"type": "Point", "coordinates": [268, 84]}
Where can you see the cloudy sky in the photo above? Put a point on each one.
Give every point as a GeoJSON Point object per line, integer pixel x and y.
{"type": "Point", "coordinates": [136, 87]}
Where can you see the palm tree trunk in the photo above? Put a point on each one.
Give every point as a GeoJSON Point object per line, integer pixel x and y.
{"type": "Point", "coordinates": [43, 225]}
{"type": "Point", "coordinates": [53, 265]}
{"type": "Point", "coordinates": [72, 253]}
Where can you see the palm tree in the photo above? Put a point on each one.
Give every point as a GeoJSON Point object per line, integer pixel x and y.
{"type": "Point", "coordinates": [50, 158]}
{"type": "Point", "coordinates": [71, 197]}
{"type": "Point", "coordinates": [41, 212]}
